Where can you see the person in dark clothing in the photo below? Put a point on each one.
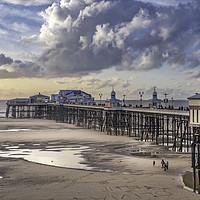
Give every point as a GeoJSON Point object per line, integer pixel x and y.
{"type": "Point", "coordinates": [167, 165]}
{"type": "Point", "coordinates": [162, 163]}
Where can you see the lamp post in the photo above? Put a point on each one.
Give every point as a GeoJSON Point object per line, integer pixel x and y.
{"type": "Point", "coordinates": [165, 100]}
{"type": "Point", "coordinates": [124, 99]}
{"type": "Point", "coordinates": [172, 102]}
{"type": "Point", "coordinates": [141, 93]}
{"type": "Point", "coordinates": [100, 95]}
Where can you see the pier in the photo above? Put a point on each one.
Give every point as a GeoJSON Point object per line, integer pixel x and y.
{"type": "Point", "coordinates": [169, 128]}
{"type": "Point", "coordinates": [164, 127]}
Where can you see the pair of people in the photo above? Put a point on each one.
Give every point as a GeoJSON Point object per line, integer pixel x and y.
{"type": "Point", "coordinates": [164, 164]}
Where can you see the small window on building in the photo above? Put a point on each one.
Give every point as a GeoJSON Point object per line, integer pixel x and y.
{"type": "Point", "coordinates": [197, 116]}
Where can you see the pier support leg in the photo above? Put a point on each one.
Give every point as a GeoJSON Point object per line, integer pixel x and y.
{"type": "Point", "coordinates": [193, 166]}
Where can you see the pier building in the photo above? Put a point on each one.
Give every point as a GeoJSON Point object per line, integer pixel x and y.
{"type": "Point", "coordinates": [19, 101]}
{"type": "Point", "coordinates": [39, 98]}
{"type": "Point", "coordinates": [155, 102]}
{"type": "Point", "coordinates": [72, 97]}
{"type": "Point", "coordinates": [113, 102]}
{"type": "Point", "coordinates": [194, 107]}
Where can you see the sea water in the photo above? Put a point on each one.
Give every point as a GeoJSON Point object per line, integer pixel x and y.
{"type": "Point", "coordinates": [3, 108]}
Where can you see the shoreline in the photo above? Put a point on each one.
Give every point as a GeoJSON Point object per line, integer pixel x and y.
{"type": "Point", "coordinates": [134, 176]}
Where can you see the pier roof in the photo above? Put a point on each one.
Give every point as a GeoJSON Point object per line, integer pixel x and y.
{"type": "Point", "coordinates": [196, 96]}
{"type": "Point", "coordinates": [19, 99]}
{"type": "Point", "coordinates": [155, 100]}
{"type": "Point", "coordinates": [39, 95]}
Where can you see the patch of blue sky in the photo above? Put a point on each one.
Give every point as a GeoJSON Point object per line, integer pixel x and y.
{"type": "Point", "coordinates": [30, 23]}
{"type": "Point", "coordinates": [140, 34]}
{"type": "Point", "coordinates": [8, 33]}
{"type": "Point", "coordinates": [19, 20]}
{"type": "Point", "coordinates": [167, 2]}
{"type": "Point", "coordinates": [23, 11]}
{"type": "Point", "coordinates": [33, 7]}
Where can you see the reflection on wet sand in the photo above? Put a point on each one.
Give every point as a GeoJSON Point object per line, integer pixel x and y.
{"type": "Point", "coordinates": [55, 156]}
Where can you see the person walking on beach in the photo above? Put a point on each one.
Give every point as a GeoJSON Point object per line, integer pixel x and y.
{"type": "Point", "coordinates": [167, 165]}
{"type": "Point", "coordinates": [162, 163]}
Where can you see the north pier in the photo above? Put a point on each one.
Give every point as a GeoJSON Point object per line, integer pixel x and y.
{"type": "Point", "coordinates": [164, 127]}
{"type": "Point", "coordinates": [177, 130]}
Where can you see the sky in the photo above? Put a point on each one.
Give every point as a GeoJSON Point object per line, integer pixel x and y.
{"type": "Point", "coordinates": [94, 45]}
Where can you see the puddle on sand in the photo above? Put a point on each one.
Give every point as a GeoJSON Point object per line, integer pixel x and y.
{"type": "Point", "coordinates": [11, 147]}
{"type": "Point", "coordinates": [14, 130]}
{"type": "Point", "coordinates": [60, 157]}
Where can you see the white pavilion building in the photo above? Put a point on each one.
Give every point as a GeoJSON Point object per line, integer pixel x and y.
{"type": "Point", "coordinates": [194, 106]}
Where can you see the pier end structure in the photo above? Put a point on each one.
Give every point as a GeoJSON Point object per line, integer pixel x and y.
{"type": "Point", "coordinates": [32, 107]}
{"type": "Point", "coordinates": [194, 106]}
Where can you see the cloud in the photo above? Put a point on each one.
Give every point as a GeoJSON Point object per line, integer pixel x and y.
{"type": "Point", "coordinates": [10, 68]}
{"type": "Point", "coordinates": [81, 37]}
{"type": "Point", "coordinates": [167, 2]}
{"type": "Point", "coordinates": [5, 60]}
{"type": "Point", "coordinates": [192, 74]}
{"type": "Point", "coordinates": [126, 84]}
{"type": "Point", "coordinates": [17, 23]}
{"type": "Point", "coordinates": [91, 82]}
{"type": "Point", "coordinates": [29, 2]}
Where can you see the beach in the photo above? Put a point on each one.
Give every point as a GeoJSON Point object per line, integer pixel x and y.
{"type": "Point", "coordinates": [120, 167]}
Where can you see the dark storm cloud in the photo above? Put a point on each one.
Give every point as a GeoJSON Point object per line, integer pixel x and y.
{"type": "Point", "coordinates": [84, 36]}
{"type": "Point", "coordinates": [5, 60]}
{"type": "Point", "coordinates": [87, 36]}
{"type": "Point", "coordinates": [10, 68]}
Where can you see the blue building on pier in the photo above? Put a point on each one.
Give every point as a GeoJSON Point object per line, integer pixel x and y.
{"type": "Point", "coordinates": [155, 102]}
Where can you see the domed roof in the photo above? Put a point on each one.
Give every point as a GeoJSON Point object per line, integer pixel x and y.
{"type": "Point", "coordinates": [155, 98]}
{"type": "Point", "coordinates": [113, 93]}
{"type": "Point", "coordinates": [154, 93]}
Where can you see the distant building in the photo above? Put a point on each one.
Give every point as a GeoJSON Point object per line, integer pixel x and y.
{"type": "Point", "coordinates": [18, 101]}
{"type": "Point", "coordinates": [154, 102]}
{"type": "Point", "coordinates": [55, 97]}
{"type": "Point", "coordinates": [39, 98]}
{"type": "Point", "coordinates": [72, 96]}
{"type": "Point", "coordinates": [194, 106]}
{"type": "Point", "coordinates": [113, 102]}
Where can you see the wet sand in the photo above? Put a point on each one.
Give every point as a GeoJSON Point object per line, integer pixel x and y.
{"type": "Point", "coordinates": [119, 173]}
